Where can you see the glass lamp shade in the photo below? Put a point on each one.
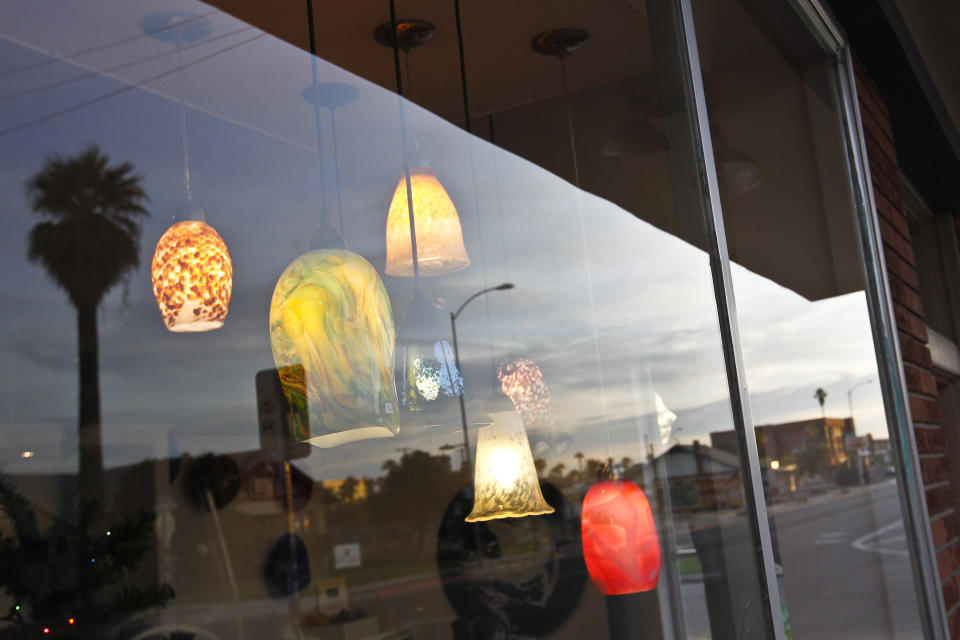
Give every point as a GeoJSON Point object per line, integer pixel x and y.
{"type": "Point", "coordinates": [192, 277]}
{"type": "Point", "coordinates": [330, 314]}
{"type": "Point", "coordinates": [620, 543]}
{"type": "Point", "coordinates": [505, 483]}
{"type": "Point", "coordinates": [522, 381]}
{"type": "Point", "coordinates": [440, 246]}
{"type": "Point", "coordinates": [427, 373]}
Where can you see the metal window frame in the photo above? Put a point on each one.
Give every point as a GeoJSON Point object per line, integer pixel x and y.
{"type": "Point", "coordinates": [880, 307]}
{"type": "Point", "coordinates": [913, 503]}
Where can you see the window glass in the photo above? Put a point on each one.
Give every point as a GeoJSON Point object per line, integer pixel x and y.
{"type": "Point", "coordinates": [808, 350]}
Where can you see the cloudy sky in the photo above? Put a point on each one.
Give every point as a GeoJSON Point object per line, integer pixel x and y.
{"type": "Point", "coordinates": [652, 321]}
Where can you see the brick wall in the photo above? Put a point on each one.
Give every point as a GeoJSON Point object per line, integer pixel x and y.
{"type": "Point", "coordinates": [912, 333]}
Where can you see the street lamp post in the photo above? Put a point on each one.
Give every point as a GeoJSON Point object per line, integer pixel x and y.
{"type": "Point", "coordinates": [850, 404]}
{"type": "Point", "coordinates": [850, 395]}
{"type": "Point", "coordinates": [456, 358]}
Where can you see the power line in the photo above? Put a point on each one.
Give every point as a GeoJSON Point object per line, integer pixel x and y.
{"type": "Point", "coordinates": [91, 74]}
{"type": "Point", "coordinates": [115, 43]}
{"type": "Point", "coordinates": [86, 103]}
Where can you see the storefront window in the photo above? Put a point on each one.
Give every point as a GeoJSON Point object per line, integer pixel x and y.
{"type": "Point", "coordinates": [416, 335]}
{"type": "Point", "coordinates": [798, 277]}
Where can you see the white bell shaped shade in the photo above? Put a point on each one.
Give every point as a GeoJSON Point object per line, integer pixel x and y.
{"type": "Point", "coordinates": [505, 482]}
{"type": "Point", "coordinates": [440, 246]}
{"type": "Point", "coordinates": [192, 277]}
{"type": "Point", "coordinates": [330, 314]}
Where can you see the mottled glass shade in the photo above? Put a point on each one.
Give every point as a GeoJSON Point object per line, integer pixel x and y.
{"type": "Point", "coordinates": [505, 482]}
{"type": "Point", "coordinates": [427, 374]}
{"type": "Point", "coordinates": [620, 543]}
{"type": "Point", "coordinates": [522, 381]}
{"type": "Point", "coordinates": [192, 277]}
{"type": "Point", "coordinates": [440, 246]}
{"type": "Point", "coordinates": [330, 313]}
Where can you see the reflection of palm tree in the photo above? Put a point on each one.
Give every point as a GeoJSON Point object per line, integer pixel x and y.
{"type": "Point", "coordinates": [821, 397]}
{"type": "Point", "coordinates": [579, 456]}
{"type": "Point", "coordinates": [89, 243]}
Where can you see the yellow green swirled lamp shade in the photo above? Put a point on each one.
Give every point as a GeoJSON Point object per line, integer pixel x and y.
{"type": "Point", "coordinates": [505, 482]}
{"type": "Point", "coordinates": [192, 277]}
{"type": "Point", "coordinates": [330, 314]}
{"type": "Point", "coordinates": [440, 246]}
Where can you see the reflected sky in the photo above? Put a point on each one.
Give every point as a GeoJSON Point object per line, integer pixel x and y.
{"type": "Point", "coordinates": [255, 171]}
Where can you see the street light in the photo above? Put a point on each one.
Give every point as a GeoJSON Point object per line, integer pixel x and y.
{"type": "Point", "coordinates": [456, 357]}
{"type": "Point", "coordinates": [850, 395]}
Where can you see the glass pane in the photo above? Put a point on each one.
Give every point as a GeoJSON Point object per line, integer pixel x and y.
{"type": "Point", "coordinates": [808, 349]}
{"type": "Point", "coordinates": [291, 430]}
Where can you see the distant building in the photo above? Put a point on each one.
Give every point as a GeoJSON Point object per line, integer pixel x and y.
{"type": "Point", "coordinates": [776, 441]}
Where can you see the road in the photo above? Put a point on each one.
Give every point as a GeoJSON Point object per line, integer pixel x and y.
{"type": "Point", "coordinates": [845, 566]}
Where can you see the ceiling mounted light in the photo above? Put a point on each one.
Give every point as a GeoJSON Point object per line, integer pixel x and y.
{"type": "Point", "coordinates": [191, 271]}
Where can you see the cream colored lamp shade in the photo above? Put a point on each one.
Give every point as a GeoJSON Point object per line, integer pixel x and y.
{"type": "Point", "coordinates": [505, 483]}
{"type": "Point", "coordinates": [440, 246]}
{"type": "Point", "coordinates": [330, 313]}
{"type": "Point", "coordinates": [192, 277]}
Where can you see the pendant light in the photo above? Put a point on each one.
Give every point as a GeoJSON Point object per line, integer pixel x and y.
{"type": "Point", "coordinates": [423, 233]}
{"type": "Point", "coordinates": [423, 238]}
{"type": "Point", "coordinates": [191, 270]}
{"type": "Point", "coordinates": [330, 315]}
{"type": "Point", "coordinates": [620, 543]}
{"type": "Point", "coordinates": [505, 481]}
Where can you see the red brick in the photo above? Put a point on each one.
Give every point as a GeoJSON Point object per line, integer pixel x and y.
{"type": "Point", "coordinates": [876, 124]}
{"type": "Point", "coordinates": [897, 266]}
{"type": "Point", "coordinates": [892, 212]}
{"type": "Point", "coordinates": [909, 322]}
{"type": "Point", "coordinates": [951, 595]}
{"type": "Point", "coordinates": [907, 297]}
{"type": "Point", "coordinates": [920, 380]}
{"type": "Point", "coordinates": [914, 351]}
{"type": "Point", "coordinates": [939, 530]}
{"type": "Point", "coordinates": [945, 563]}
{"type": "Point", "coordinates": [897, 242]}
{"type": "Point", "coordinates": [886, 185]}
{"type": "Point", "coordinates": [939, 499]}
{"type": "Point", "coordinates": [954, 622]}
{"type": "Point", "coordinates": [924, 409]}
{"type": "Point", "coordinates": [933, 470]}
{"type": "Point", "coordinates": [929, 439]}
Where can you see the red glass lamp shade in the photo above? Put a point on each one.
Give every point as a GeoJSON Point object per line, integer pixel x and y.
{"type": "Point", "coordinates": [620, 543]}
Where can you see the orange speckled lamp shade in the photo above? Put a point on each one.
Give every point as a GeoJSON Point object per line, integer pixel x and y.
{"type": "Point", "coordinates": [620, 543]}
{"type": "Point", "coordinates": [440, 246]}
{"type": "Point", "coordinates": [192, 277]}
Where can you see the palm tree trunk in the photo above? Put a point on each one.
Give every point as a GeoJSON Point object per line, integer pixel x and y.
{"type": "Point", "coordinates": [91, 454]}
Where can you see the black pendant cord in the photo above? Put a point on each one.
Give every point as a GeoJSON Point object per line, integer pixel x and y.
{"type": "Point", "coordinates": [336, 167]}
{"type": "Point", "coordinates": [403, 143]}
{"type": "Point", "coordinates": [573, 139]}
{"type": "Point", "coordinates": [183, 126]}
{"type": "Point", "coordinates": [586, 254]}
{"type": "Point", "coordinates": [476, 192]}
{"type": "Point", "coordinates": [463, 67]}
{"type": "Point", "coordinates": [324, 211]}
{"type": "Point", "coordinates": [503, 235]}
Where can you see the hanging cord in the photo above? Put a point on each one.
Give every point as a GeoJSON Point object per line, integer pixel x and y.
{"type": "Point", "coordinates": [586, 253]}
{"type": "Point", "coordinates": [503, 235]}
{"type": "Point", "coordinates": [476, 191]}
{"type": "Point", "coordinates": [183, 120]}
{"type": "Point", "coordinates": [318, 124]}
{"type": "Point", "coordinates": [403, 143]}
{"type": "Point", "coordinates": [336, 167]}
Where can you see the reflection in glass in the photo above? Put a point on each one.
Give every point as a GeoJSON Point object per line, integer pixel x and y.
{"type": "Point", "coordinates": [439, 238]}
{"type": "Point", "coordinates": [192, 277]}
{"type": "Point", "coordinates": [427, 373]}
{"type": "Point", "coordinates": [330, 313]}
{"type": "Point", "coordinates": [505, 478]}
